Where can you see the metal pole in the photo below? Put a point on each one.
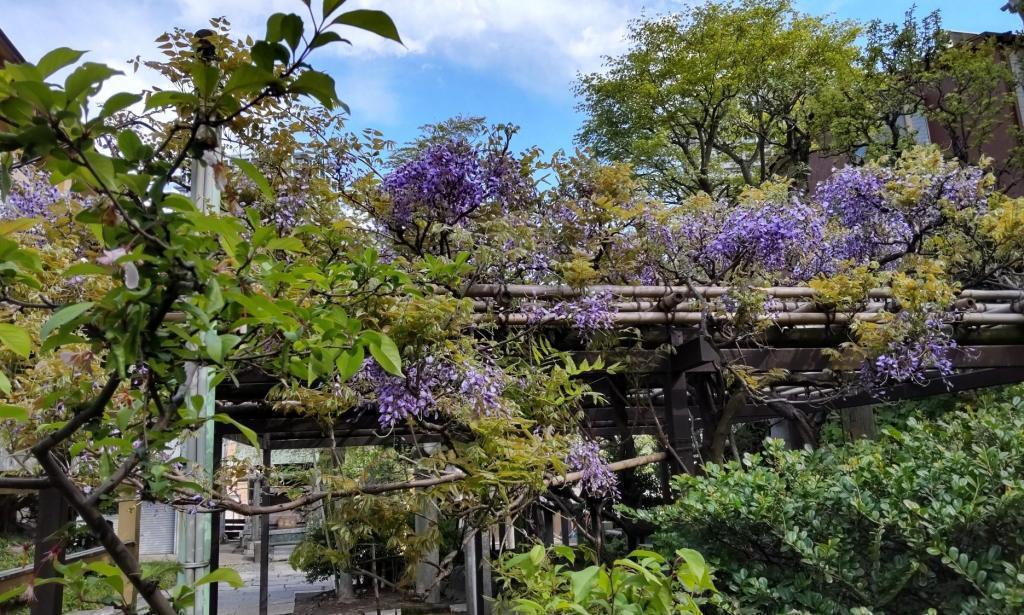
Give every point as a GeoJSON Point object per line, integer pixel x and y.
{"type": "Point", "coordinates": [195, 531]}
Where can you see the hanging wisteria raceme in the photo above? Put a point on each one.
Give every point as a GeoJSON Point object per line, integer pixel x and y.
{"type": "Point", "coordinates": [598, 480]}
{"type": "Point", "coordinates": [587, 314]}
{"type": "Point", "coordinates": [448, 182]}
{"type": "Point", "coordinates": [787, 238]}
{"type": "Point", "coordinates": [915, 359]}
{"type": "Point", "coordinates": [419, 392]}
{"type": "Point", "coordinates": [856, 198]}
{"type": "Point", "coordinates": [290, 204]}
{"type": "Point", "coordinates": [883, 212]}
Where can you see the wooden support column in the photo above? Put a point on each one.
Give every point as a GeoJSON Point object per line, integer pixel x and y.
{"type": "Point", "coordinates": [677, 419]}
{"type": "Point", "coordinates": [194, 530]}
{"type": "Point", "coordinates": [264, 530]}
{"type": "Point", "coordinates": [54, 514]}
{"type": "Point", "coordinates": [859, 422]}
{"type": "Point", "coordinates": [218, 524]}
{"type": "Point", "coordinates": [547, 526]}
{"type": "Point", "coordinates": [128, 531]}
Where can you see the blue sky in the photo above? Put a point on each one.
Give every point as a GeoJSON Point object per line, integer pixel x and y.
{"type": "Point", "coordinates": [509, 60]}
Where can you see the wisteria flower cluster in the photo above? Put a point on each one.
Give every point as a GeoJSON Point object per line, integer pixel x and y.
{"type": "Point", "coordinates": [598, 480]}
{"type": "Point", "coordinates": [883, 211]}
{"type": "Point", "coordinates": [787, 237]}
{"type": "Point", "coordinates": [417, 393]}
{"type": "Point", "coordinates": [587, 314]}
{"type": "Point", "coordinates": [31, 196]}
{"type": "Point", "coordinates": [913, 359]}
{"type": "Point", "coordinates": [448, 182]}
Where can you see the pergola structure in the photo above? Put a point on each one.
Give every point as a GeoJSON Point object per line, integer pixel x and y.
{"type": "Point", "coordinates": [670, 385]}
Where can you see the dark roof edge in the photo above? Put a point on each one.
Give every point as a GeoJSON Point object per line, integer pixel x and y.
{"type": "Point", "coordinates": [8, 52]}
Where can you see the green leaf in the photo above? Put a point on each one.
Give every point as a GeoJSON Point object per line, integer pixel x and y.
{"type": "Point", "coordinates": [350, 361]}
{"type": "Point", "coordinates": [87, 76]}
{"type": "Point", "coordinates": [5, 384]}
{"type": "Point", "coordinates": [330, 6]}
{"type": "Point", "coordinates": [318, 85]}
{"type": "Point", "coordinates": [222, 575]}
{"type": "Point", "coordinates": [117, 102]}
{"type": "Point", "coordinates": [248, 77]}
{"type": "Point", "coordinates": [205, 76]}
{"type": "Point", "coordinates": [254, 174]}
{"type": "Point", "coordinates": [167, 98]}
{"type": "Point", "coordinates": [582, 583]}
{"type": "Point", "coordinates": [248, 433]}
{"type": "Point", "coordinates": [130, 144]}
{"type": "Point", "coordinates": [291, 30]}
{"type": "Point", "coordinates": [377, 22]}
{"type": "Point", "coordinates": [16, 339]}
{"type": "Point", "coordinates": [63, 316]}
{"type": "Point", "coordinates": [386, 353]}
{"type": "Point", "coordinates": [288, 244]}
{"type": "Point", "coordinates": [57, 59]}
{"type": "Point", "coordinates": [85, 269]}
{"type": "Point", "coordinates": [8, 227]}
{"type": "Point", "coordinates": [217, 346]}
{"type": "Point", "coordinates": [14, 413]}
{"type": "Point", "coordinates": [326, 38]}
{"type": "Point", "coordinates": [12, 593]}
{"type": "Point", "coordinates": [104, 569]}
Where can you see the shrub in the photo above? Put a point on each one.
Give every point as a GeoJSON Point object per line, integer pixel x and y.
{"type": "Point", "coordinates": [928, 518]}
{"type": "Point", "coordinates": [540, 582]}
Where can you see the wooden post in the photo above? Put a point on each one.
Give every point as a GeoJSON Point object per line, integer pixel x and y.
{"type": "Point", "coordinates": [264, 531]}
{"type": "Point", "coordinates": [548, 526]}
{"type": "Point", "coordinates": [54, 514]}
{"type": "Point", "coordinates": [677, 419]}
{"type": "Point", "coordinates": [194, 530]}
{"type": "Point", "coordinates": [859, 422]}
{"type": "Point", "coordinates": [218, 524]}
{"type": "Point", "coordinates": [128, 531]}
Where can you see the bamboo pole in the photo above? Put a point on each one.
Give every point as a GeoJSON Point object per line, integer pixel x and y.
{"type": "Point", "coordinates": [785, 318]}
{"type": "Point", "coordinates": [563, 291]}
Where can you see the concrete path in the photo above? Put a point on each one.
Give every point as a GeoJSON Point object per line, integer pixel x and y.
{"type": "Point", "coordinates": [284, 584]}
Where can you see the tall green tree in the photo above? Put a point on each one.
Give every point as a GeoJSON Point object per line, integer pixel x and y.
{"type": "Point", "coordinates": [719, 96]}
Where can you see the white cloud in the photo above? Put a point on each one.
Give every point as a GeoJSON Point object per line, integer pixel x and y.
{"type": "Point", "coordinates": [537, 44]}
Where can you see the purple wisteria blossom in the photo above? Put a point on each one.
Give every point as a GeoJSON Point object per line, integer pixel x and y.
{"type": "Point", "coordinates": [417, 393]}
{"type": "Point", "coordinates": [289, 207]}
{"type": "Point", "coordinates": [450, 181]}
{"type": "Point", "coordinates": [786, 237]}
{"type": "Point", "coordinates": [31, 195]}
{"type": "Point", "coordinates": [587, 314]}
{"type": "Point", "coordinates": [598, 480]}
{"type": "Point", "coordinates": [878, 221]}
{"type": "Point", "coordinates": [912, 360]}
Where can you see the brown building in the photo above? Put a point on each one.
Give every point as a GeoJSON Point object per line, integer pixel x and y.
{"type": "Point", "coordinates": [8, 52]}
{"type": "Point", "coordinates": [1006, 133]}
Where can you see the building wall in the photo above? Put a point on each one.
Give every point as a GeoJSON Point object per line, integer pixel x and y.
{"type": "Point", "coordinates": [998, 146]}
